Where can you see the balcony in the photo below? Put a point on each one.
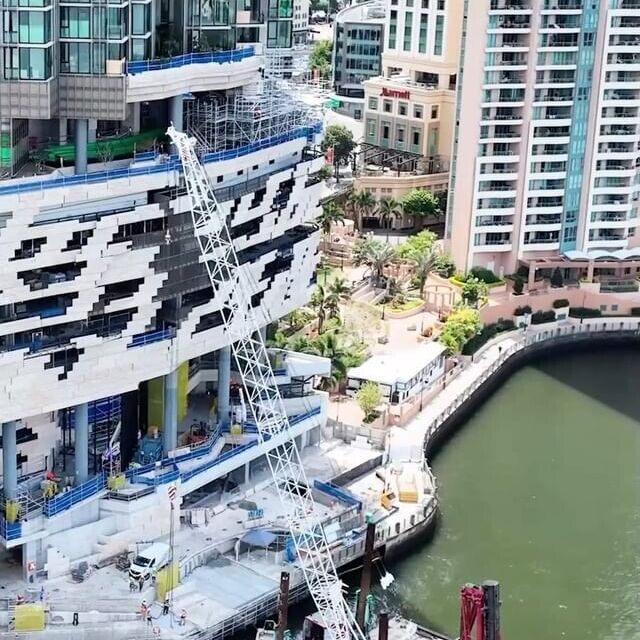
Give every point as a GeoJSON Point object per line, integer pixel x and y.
{"type": "Point", "coordinates": [562, 5]}
{"type": "Point", "coordinates": [192, 72]}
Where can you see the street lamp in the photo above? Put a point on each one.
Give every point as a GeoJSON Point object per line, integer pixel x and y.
{"type": "Point", "coordinates": [383, 312]}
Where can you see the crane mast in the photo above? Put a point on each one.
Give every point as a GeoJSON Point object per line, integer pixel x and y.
{"type": "Point", "coordinates": [231, 285]}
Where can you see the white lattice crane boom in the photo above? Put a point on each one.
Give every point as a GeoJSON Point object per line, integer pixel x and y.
{"type": "Point", "coordinates": [231, 286]}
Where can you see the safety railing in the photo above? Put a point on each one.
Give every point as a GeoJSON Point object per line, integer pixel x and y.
{"type": "Point", "coordinates": [338, 493]}
{"type": "Point", "coordinates": [170, 475]}
{"type": "Point", "coordinates": [66, 500]}
{"type": "Point", "coordinates": [150, 337]}
{"type": "Point", "coordinates": [10, 530]}
{"type": "Point", "coordinates": [175, 62]}
{"type": "Point", "coordinates": [610, 326]}
{"type": "Point", "coordinates": [163, 164]}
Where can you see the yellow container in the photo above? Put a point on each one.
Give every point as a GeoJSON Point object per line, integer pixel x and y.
{"type": "Point", "coordinates": [29, 617]}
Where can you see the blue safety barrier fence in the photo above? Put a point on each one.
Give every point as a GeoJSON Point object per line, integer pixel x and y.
{"type": "Point", "coordinates": [163, 165]}
{"type": "Point", "coordinates": [338, 493]}
{"type": "Point", "coordinates": [149, 337]}
{"type": "Point", "coordinates": [66, 500]}
{"type": "Point", "coordinates": [10, 530]}
{"type": "Point", "coordinates": [204, 57]}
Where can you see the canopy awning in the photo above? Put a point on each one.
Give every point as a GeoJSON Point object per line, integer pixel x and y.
{"type": "Point", "coordinates": [258, 538]}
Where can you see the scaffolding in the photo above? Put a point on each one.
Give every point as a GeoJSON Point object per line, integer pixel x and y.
{"type": "Point", "coordinates": [264, 110]}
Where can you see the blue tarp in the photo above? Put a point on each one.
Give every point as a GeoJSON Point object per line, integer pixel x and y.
{"type": "Point", "coordinates": [259, 538]}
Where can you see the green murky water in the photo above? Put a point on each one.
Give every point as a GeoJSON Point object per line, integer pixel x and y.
{"type": "Point", "coordinates": [540, 490]}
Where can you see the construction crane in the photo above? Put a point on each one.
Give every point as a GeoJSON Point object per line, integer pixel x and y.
{"type": "Point", "coordinates": [231, 285]}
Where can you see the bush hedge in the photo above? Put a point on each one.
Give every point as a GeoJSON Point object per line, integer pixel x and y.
{"type": "Point", "coordinates": [584, 312]}
{"type": "Point", "coordinates": [560, 303]}
{"type": "Point", "coordinates": [521, 311]}
{"type": "Point", "coordinates": [540, 317]}
{"type": "Point", "coordinates": [488, 331]}
{"type": "Point", "coordinates": [486, 275]}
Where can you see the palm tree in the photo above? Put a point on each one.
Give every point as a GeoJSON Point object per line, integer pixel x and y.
{"type": "Point", "coordinates": [331, 345]}
{"type": "Point", "coordinates": [332, 213]}
{"type": "Point", "coordinates": [317, 303]}
{"type": "Point", "coordinates": [375, 255]}
{"type": "Point", "coordinates": [388, 209]}
{"type": "Point", "coordinates": [341, 289]}
{"type": "Point", "coordinates": [363, 201]}
{"type": "Point", "coordinates": [424, 263]}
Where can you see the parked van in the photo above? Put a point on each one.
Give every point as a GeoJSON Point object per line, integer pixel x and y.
{"type": "Point", "coordinates": [149, 561]}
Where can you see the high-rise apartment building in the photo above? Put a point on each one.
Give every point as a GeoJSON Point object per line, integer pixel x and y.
{"type": "Point", "coordinates": [547, 144]}
{"type": "Point", "coordinates": [107, 316]}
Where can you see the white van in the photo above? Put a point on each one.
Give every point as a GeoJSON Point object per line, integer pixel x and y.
{"type": "Point", "coordinates": [149, 561]}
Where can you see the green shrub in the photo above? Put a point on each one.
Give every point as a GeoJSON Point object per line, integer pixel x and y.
{"type": "Point", "coordinates": [485, 275]}
{"type": "Point", "coordinates": [540, 317]}
{"type": "Point", "coordinates": [635, 311]}
{"type": "Point", "coordinates": [584, 312]}
{"type": "Point", "coordinates": [521, 311]}
{"type": "Point", "coordinates": [443, 265]}
{"type": "Point", "coordinates": [518, 286]}
{"type": "Point", "coordinates": [488, 332]}
{"type": "Point", "coordinates": [556, 278]}
{"type": "Point", "coordinates": [523, 272]}
{"type": "Point", "coordinates": [560, 303]}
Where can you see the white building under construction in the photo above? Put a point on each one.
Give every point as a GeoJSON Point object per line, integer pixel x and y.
{"type": "Point", "coordinates": [113, 354]}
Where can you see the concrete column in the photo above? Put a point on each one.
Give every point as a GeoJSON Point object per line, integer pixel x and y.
{"type": "Point", "coordinates": [247, 473]}
{"type": "Point", "coordinates": [175, 112]}
{"type": "Point", "coordinates": [9, 459]}
{"type": "Point", "coordinates": [82, 134]}
{"type": "Point", "coordinates": [170, 431]}
{"type": "Point", "coordinates": [224, 380]}
{"type": "Point", "coordinates": [82, 443]}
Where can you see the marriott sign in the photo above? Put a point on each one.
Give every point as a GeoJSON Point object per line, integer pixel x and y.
{"type": "Point", "coordinates": [395, 93]}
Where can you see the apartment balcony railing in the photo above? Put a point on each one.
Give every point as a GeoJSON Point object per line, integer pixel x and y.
{"type": "Point", "coordinates": [175, 62]}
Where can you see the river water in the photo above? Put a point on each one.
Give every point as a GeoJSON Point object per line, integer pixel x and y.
{"type": "Point", "coordinates": [540, 490]}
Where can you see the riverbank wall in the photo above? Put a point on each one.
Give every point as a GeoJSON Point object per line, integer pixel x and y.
{"type": "Point", "coordinates": [522, 348]}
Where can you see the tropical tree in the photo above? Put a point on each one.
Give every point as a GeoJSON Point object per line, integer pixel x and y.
{"type": "Point", "coordinates": [422, 203]}
{"type": "Point", "coordinates": [317, 303]}
{"type": "Point", "coordinates": [375, 255]}
{"type": "Point", "coordinates": [416, 243]}
{"type": "Point", "coordinates": [424, 263]}
{"type": "Point", "coordinates": [363, 202]}
{"type": "Point", "coordinates": [332, 213]}
{"type": "Point", "coordinates": [340, 139]}
{"type": "Point", "coordinates": [320, 57]}
{"type": "Point", "coordinates": [462, 324]}
{"type": "Point", "coordinates": [388, 209]}
{"type": "Point", "coordinates": [369, 397]}
{"type": "Point", "coordinates": [342, 354]}
{"type": "Point", "coordinates": [340, 288]}
{"type": "Point", "coordinates": [474, 290]}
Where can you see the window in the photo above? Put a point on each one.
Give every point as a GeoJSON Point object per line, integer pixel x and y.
{"type": "Point", "coordinates": [415, 138]}
{"type": "Point", "coordinates": [400, 132]}
{"type": "Point", "coordinates": [425, 4]}
{"type": "Point", "coordinates": [434, 112]}
{"type": "Point", "coordinates": [417, 111]}
{"type": "Point", "coordinates": [373, 104]}
{"type": "Point", "coordinates": [75, 22]}
{"type": "Point", "coordinates": [422, 38]}
{"type": "Point", "coordinates": [393, 26]}
{"type": "Point", "coordinates": [437, 49]}
{"type": "Point", "coordinates": [140, 48]}
{"type": "Point", "coordinates": [35, 64]}
{"type": "Point", "coordinates": [440, 5]}
{"type": "Point", "coordinates": [408, 19]}
{"type": "Point", "coordinates": [75, 57]}
{"type": "Point", "coordinates": [371, 128]}
{"type": "Point", "coordinates": [385, 131]}
{"type": "Point", "coordinates": [34, 27]}
{"type": "Point", "coordinates": [10, 27]}
{"type": "Point", "coordinates": [402, 108]}
{"type": "Point", "coordinates": [387, 107]}
{"type": "Point", "coordinates": [140, 19]}
{"type": "Point", "coordinates": [279, 34]}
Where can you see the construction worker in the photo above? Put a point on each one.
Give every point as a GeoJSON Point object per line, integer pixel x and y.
{"type": "Point", "coordinates": [183, 617]}
{"type": "Point", "coordinates": [143, 609]}
{"type": "Point", "coordinates": [165, 606]}
{"type": "Point", "coordinates": [20, 599]}
{"type": "Point", "coordinates": [140, 582]}
{"type": "Point", "coordinates": [149, 618]}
